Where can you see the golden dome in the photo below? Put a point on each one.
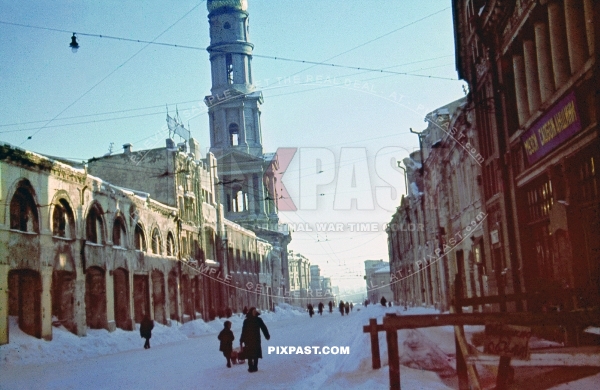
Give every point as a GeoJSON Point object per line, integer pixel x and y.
{"type": "Point", "coordinates": [213, 5]}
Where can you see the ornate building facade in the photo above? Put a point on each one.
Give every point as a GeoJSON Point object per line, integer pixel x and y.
{"type": "Point", "coordinates": [532, 69]}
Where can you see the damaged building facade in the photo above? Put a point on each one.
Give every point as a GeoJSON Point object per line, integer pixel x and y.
{"type": "Point", "coordinates": [438, 232]}
{"type": "Point", "coordinates": [528, 178]}
{"type": "Point", "coordinates": [81, 252]}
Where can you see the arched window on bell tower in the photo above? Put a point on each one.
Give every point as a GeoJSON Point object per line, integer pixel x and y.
{"type": "Point", "coordinates": [234, 134]}
{"type": "Point", "coordinates": [229, 67]}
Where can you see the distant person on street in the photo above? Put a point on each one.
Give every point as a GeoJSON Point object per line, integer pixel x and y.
{"type": "Point", "coordinates": [226, 338]}
{"type": "Point", "coordinates": [366, 302]}
{"type": "Point", "coordinates": [342, 307]}
{"type": "Point", "coordinates": [330, 306]}
{"type": "Point", "coordinates": [351, 306]}
{"type": "Point", "coordinates": [383, 301]}
{"type": "Point", "coordinates": [321, 308]}
{"type": "Point", "coordinates": [146, 327]}
{"type": "Point", "coordinates": [311, 310]}
{"type": "Point", "coordinates": [347, 308]}
{"type": "Point", "coordinates": [250, 339]}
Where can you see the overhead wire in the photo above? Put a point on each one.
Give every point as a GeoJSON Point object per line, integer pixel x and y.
{"type": "Point", "coordinates": [108, 75]}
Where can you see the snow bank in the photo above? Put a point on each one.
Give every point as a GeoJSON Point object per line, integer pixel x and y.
{"type": "Point", "coordinates": [24, 349]}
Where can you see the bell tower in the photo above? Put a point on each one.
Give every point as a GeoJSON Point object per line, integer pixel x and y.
{"type": "Point", "coordinates": [234, 104]}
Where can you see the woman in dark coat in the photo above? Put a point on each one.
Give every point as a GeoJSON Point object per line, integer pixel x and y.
{"type": "Point", "coordinates": [146, 327]}
{"type": "Point", "coordinates": [250, 338]}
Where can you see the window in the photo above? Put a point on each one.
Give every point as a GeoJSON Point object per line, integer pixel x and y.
{"type": "Point", "coordinates": [229, 68]}
{"type": "Point", "coordinates": [62, 220]}
{"type": "Point", "coordinates": [94, 225]}
{"type": "Point", "coordinates": [234, 132]}
{"type": "Point", "coordinates": [139, 239]}
{"type": "Point", "coordinates": [23, 211]}
{"type": "Point", "coordinates": [170, 245]}
{"type": "Point", "coordinates": [227, 26]}
{"type": "Point", "coordinates": [156, 242]}
{"type": "Point", "coordinates": [119, 236]}
{"type": "Point", "coordinates": [540, 200]}
{"type": "Point", "coordinates": [587, 181]}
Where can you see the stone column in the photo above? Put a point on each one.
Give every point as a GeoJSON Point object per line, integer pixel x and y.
{"type": "Point", "coordinates": [577, 42]}
{"type": "Point", "coordinates": [111, 325]}
{"type": "Point", "coordinates": [4, 303]}
{"type": "Point", "coordinates": [520, 91]}
{"type": "Point", "coordinates": [544, 59]}
{"type": "Point", "coordinates": [531, 75]}
{"type": "Point", "coordinates": [249, 179]}
{"type": "Point", "coordinates": [46, 302]}
{"type": "Point", "coordinates": [79, 305]}
{"type": "Point", "coordinates": [558, 43]}
{"type": "Point", "coordinates": [588, 13]}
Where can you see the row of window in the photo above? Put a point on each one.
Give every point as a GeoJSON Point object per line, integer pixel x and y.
{"type": "Point", "coordinates": [24, 217]}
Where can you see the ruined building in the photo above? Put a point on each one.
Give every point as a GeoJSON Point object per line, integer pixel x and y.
{"type": "Point", "coordinates": [161, 231]}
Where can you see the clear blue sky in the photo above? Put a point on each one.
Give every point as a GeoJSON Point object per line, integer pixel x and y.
{"type": "Point", "coordinates": [41, 79]}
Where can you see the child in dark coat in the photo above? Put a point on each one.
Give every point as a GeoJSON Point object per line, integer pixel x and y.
{"type": "Point", "coordinates": [226, 337]}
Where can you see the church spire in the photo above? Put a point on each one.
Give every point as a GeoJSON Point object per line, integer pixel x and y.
{"type": "Point", "coordinates": [234, 104]}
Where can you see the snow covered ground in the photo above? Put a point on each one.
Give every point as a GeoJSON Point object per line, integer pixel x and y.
{"type": "Point", "coordinates": [187, 356]}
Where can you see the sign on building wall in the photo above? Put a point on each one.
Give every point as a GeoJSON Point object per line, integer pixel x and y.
{"type": "Point", "coordinates": [552, 129]}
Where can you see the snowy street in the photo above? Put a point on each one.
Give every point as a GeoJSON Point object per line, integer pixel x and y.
{"type": "Point", "coordinates": [187, 356]}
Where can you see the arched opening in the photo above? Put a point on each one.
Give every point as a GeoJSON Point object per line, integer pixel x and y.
{"type": "Point", "coordinates": [24, 300]}
{"type": "Point", "coordinates": [173, 296]}
{"type": "Point", "coordinates": [119, 233]}
{"type": "Point", "coordinates": [239, 200]}
{"type": "Point", "coordinates": [94, 225]}
{"type": "Point", "coordinates": [229, 67]}
{"type": "Point", "coordinates": [170, 245]}
{"type": "Point", "coordinates": [141, 298]}
{"type": "Point", "coordinates": [139, 238]}
{"type": "Point", "coordinates": [234, 133]}
{"type": "Point", "coordinates": [95, 298]}
{"type": "Point", "coordinates": [23, 209]}
{"type": "Point", "coordinates": [63, 222]}
{"type": "Point", "coordinates": [209, 243]}
{"type": "Point", "coordinates": [156, 242]}
{"type": "Point", "coordinates": [158, 296]}
{"type": "Point", "coordinates": [121, 298]}
{"type": "Point", "coordinates": [197, 291]}
{"type": "Point", "coordinates": [63, 299]}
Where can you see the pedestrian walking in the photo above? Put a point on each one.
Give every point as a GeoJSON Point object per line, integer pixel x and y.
{"type": "Point", "coordinates": [342, 307]}
{"type": "Point", "coordinates": [250, 339]}
{"type": "Point", "coordinates": [330, 306]}
{"type": "Point", "coordinates": [311, 310]}
{"type": "Point", "coordinates": [383, 301]}
{"type": "Point", "coordinates": [146, 327]}
{"type": "Point", "coordinates": [351, 306]}
{"type": "Point", "coordinates": [226, 338]}
{"type": "Point", "coordinates": [347, 308]}
{"type": "Point", "coordinates": [321, 308]}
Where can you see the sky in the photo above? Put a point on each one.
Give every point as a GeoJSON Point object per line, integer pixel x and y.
{"type": "Point", "coordinates": [346, 127]}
